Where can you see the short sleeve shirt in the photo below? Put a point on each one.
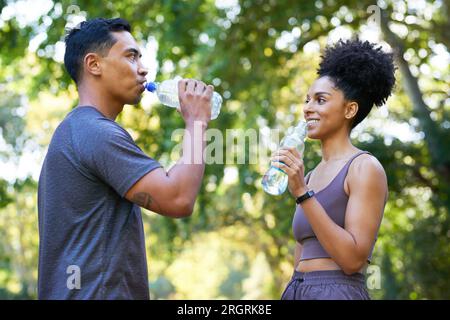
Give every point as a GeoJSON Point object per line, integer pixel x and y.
{"type": "Point", "coordinates": [92, 243]}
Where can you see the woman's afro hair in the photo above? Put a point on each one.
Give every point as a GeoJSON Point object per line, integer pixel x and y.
{"type": "Point", "coordinates": [362, 71]}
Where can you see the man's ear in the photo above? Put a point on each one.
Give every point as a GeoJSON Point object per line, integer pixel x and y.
{"type": "Point", "coordinates": [351, 109]}
{"type": "Point", "coordinates": [92, 64]}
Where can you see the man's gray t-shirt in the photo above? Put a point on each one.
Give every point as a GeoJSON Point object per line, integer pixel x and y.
{"type": "Point", "coordinates": [92, 242]}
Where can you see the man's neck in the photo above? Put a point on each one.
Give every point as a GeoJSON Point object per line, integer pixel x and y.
{"type": "Point", "coordinates": [99, 100]}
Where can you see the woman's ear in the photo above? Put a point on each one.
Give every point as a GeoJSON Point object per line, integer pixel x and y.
{"type": "Point", "coordinates": [351, 109]}
{"type": "Point", "coordinates": [92, 64]}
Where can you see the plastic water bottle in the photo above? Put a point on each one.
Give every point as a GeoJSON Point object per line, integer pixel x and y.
{"type": "Point", "coordinates": [275, 180]}
{"type": "Point", "coordinates": [167, 92]}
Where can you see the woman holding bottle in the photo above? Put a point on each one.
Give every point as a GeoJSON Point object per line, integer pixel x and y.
{"type": "Point", "coordinates": [340, 203]}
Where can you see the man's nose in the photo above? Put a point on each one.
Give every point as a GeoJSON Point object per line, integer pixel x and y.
{"type": "Point", "coordinates": [142, 70]}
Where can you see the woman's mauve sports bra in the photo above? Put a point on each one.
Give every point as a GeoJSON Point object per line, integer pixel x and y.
{"type": "Point", "coordinates": [334, 200]}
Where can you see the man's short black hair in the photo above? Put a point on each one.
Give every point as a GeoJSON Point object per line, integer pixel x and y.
{"type": "Point", "coordinates": [362, 71]}
{"type": "Point", "coordinates": [90, 36]}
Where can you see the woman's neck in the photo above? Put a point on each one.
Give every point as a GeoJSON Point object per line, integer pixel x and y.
{"type": "Point", "coordinates": [337, 147]}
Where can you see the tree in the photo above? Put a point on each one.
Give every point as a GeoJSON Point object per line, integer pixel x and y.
{"type": "Point", "coordinates": [261, 57]}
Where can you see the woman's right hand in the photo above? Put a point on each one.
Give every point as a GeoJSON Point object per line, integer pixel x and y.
{"type": "Point", "coordinates": [290, 161]}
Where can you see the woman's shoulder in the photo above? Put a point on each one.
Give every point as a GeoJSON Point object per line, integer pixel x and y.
{"type": "Point", "coordinates": [366, 165]}
{"type": "Point", "coordinates": [366, 175]}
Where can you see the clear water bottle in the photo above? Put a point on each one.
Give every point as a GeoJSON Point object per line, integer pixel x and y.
{"type": "Point", "coordinates": [167, 92]}
{"type": "Point", "coordinates": [275, 180]}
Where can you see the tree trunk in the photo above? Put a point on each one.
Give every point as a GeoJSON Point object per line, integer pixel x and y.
{"type": "Point", "coordinates": [433, 138]}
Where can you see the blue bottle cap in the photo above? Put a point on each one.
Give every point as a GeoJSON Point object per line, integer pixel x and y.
{"type": "Point", "coordinates": [150, 86]}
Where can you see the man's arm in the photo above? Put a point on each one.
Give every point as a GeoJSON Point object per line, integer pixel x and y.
{"type": "Point", "coordinates": [173, 193]}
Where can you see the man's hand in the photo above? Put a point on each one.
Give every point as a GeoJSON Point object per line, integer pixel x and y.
{"type": "Point", "coordinates": [195, 100]}
{"type": "Point", "coordinates": [173, 193]}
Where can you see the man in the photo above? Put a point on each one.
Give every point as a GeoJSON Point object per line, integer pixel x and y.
{"type": "Point", "coordinates": [95, 179]}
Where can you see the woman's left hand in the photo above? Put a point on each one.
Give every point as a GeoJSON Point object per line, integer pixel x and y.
{"type": "Point", "coordinates": [290, 161]}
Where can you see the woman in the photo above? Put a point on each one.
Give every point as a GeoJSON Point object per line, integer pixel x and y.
{"type": "Point", "coordinates": [336, 227]}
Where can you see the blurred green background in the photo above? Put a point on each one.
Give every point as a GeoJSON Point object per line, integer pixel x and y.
{"type": "Point", "coordinates": [261, 56]}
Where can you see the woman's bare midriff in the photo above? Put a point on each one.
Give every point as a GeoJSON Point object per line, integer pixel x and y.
{"type": "Point", "coordinates": [321, 264]}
